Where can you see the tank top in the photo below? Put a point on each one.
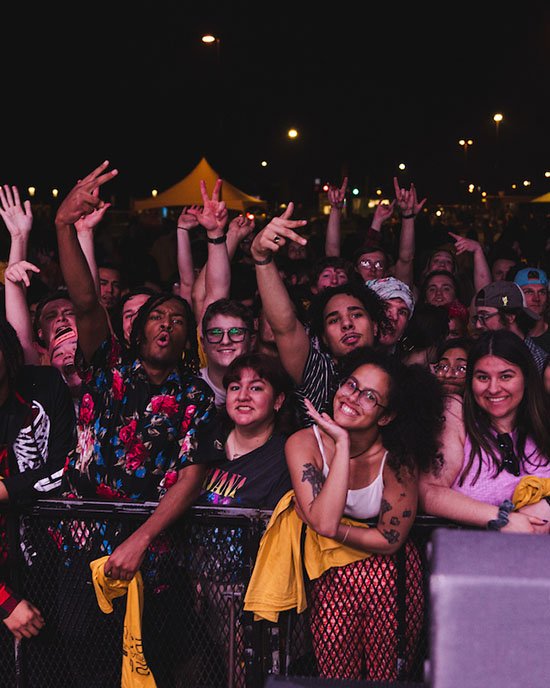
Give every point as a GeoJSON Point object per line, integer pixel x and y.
{"type": "Point", "coordinates": [494, 489]}
{"type": "Point", "coordinates": [365, 502]}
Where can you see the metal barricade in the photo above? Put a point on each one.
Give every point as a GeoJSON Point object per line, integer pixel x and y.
{"type": "Point", "coordinates": [195, 632]}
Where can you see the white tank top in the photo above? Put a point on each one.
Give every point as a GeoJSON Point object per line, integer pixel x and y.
{"type": "Point", "coordinates": [362, 503]}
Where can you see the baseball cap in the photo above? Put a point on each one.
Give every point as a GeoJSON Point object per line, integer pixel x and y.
{"type": "Point", "coordinates": [531, 276]}
{"type": "Point", "coordinates": [503, 295]}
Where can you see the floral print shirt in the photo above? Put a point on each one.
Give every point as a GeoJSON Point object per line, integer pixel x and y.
{"type": "Point", "coordinates": [132, 438]}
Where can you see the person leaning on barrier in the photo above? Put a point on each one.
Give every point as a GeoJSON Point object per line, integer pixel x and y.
{"type": "Point", "coordinates": [362, 462]}
{"type": "Point", "coordinates": [36, 433]}
{"type": "Point", "coordinates": [502, 437]}
{"type": "Point", "coordinates": [142, 415]}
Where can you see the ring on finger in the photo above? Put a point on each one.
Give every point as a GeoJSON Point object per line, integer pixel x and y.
{"type": "Point", "coordinates": [108, 574]}
{"type": "Point", "coordinates": [276, 238]}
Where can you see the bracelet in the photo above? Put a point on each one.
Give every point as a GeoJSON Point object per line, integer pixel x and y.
{"type": "Point", "coordinates": [408, 217]}
{"type": "Point", "coordinates": [218, 240]}
{"type": "Point", "coordinates": [502, 519]}
{"type": "Point", "coordinates": [346, 535]}
{"type": "Point", "coordinates": [185, 229]}
{"type": "Point", "coordinates": [266, 261]}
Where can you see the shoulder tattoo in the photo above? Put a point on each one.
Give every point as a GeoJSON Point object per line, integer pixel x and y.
{"type": "Point", "coordinates": [312, 475]}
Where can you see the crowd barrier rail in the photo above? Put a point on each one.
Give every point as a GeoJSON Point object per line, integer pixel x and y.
{"type": "Point", "coordinates": [195, 577]}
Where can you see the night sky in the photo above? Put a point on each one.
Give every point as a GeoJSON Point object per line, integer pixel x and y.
{"type": "Point", "coordinates": [366, 88]}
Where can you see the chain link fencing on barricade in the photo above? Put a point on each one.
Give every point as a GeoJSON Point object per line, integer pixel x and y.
{"type": "Point", "coordinates": [194, 630]}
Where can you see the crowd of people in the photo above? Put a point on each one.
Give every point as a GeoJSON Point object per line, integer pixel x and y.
{"type": "Point", "coordinates": [358, 376]}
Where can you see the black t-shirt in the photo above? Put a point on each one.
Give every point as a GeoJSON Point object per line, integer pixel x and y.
{"type": "Point", "coordinates": [256, 480]}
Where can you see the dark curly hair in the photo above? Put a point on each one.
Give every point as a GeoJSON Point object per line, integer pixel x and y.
{"type": "Point", "coordinates": [372, 303]}
{"type": "Point", "coordinates": [191, 358]}
{"type": "Point", "coordinates": [12, 351]}
{"type": "Point", "coordinates": [415, 397]}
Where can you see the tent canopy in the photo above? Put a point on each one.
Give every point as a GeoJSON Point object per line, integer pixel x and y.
{"type": "Point", "coordinates": [542, 199]}
{"type": "Point", "coordinates": [187, 192]}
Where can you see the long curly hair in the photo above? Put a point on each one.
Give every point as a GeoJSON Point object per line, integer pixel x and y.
{"type": "Point", "coordinates": [532, 413]}
{"type": "Point", "coordinates": [416, 400]}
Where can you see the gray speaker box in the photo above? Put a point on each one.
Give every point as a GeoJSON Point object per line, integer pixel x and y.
{"type": "Point", "coordinates": [489, 610]}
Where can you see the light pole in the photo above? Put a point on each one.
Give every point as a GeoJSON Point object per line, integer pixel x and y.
{"type": "Point", "coordinates": [209, 38]}
{"type": "Point", "coordinates": [465, 143]}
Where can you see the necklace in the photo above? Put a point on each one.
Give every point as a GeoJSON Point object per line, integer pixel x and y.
{"type": "Point", "coordinates": [356, 455]}
{"type": "Point", "coordinates": [232, 446]}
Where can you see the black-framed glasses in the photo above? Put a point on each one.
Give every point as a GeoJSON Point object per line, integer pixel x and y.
{"type": "Point", "coordinates": [510, 461]}
{"type": "Point", "coordinates": [482, 317]}
{"type": "Point", "coordinates": [367, 398]}
{"type": "Point", "coordinates": [444, 368]}
{"type": "Point", "coordinates": [214, 335]}
{"type": "Point", "coordinates": [376, 264]}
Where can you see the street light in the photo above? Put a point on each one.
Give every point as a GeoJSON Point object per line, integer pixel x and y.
{"type": "Point", "coordinates": [465, 143]}
{"type": "Point", "coordinates": [209, 38]}
{"type": "Point", "coordinates": [497, 119]}
{"type": "Point", "coordinates": [292, 133]}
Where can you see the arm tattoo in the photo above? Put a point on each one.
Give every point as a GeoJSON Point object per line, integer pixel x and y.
{"type": "Point", "coordinates": [394, 521]}
{"type": "Point", "coordinates": [315, 477]}
{"type": "Point", "coordinates": [407, 513]}
{"type": "Point", "coordinates": [392, 536]}
{"type": "Point", "coordinates": [385, 506]}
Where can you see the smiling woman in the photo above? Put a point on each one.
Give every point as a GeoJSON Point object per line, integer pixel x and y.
{"type": "Point", "coordinates": [502, 438]}
{"type": "Point", "coordinates": [362, 463]}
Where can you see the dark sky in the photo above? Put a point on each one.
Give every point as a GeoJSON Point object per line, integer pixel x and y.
{"type": "Point", "coordinates": [366, 87]}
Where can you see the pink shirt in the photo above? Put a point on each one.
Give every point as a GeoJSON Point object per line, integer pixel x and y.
{"type": "Point", "coordinates": [494, 489]}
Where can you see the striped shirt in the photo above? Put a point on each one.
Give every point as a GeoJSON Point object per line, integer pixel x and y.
{"type": "Point", "coordinates": [319, 384]}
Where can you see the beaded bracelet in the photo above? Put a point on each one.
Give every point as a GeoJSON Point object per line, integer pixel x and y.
{"type": "Point", "coordinates": [502, 519]}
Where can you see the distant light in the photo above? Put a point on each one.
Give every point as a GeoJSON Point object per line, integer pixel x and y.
{"type": "Point", "coordinates": [326, 187]}
{"type": "Point", "coordinates": [470, 142]}
{"type": "Point", "coordinates": [378, 192]}
{"type": "Point", "coordinates": [514, 186]}
{"type": "Point", "coordinates": [526, 183]}
{"type": "Point", "coordinates": [250, 216]}
{"type": "Point", "coordinates": [547, 174]}
{"type": "Point", "coordinates": [439, 213]}
{"type": "Point", "coordinates": [208, 38]}
{"type": "Point", "coordinates": [401, 165]}
{"type": "Point", "coordinates": [154, 193]}
{"type": "Point", "coordinates": [497, 117]}
{"type": "Point", "coordinates": [317, 181]}
{"type": "Point", "coordinates": [462, 142]}
{"type": "Point", "coordinates": [55, 193]}
{"type": "Point", "coordinates": [31, 190]}
{"type": "Point", "coordinates": [264, 163]}
{"type": "Point", "coordinates": [292, 133]}
{"type": "Point", "coordinates": [355, 191]}
{"type": "Point", "coordinates": [471, 188]}
{"type": "Point", "coordinates": [484, 194]}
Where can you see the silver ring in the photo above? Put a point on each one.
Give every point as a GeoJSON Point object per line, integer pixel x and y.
{"type": "Point", "coordinates": [276, 238]}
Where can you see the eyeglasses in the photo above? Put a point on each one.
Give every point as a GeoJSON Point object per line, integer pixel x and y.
{"type": "Point", "coordinates": [367, 399]}
{"type": "Point", "coordinates": [444, 368]}
{"type": "Point", "coordinates": [510, 461]}
{"type": "Point", "coordinates": [214, 335]}
{"type": "Point", "coordinates": [482, 317]}
{"type": "Point", "coordinates": [377, 265]}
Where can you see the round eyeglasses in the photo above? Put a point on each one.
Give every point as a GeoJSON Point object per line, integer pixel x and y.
{"type": "Point", "coordinates": [444, 368]}
{"type": "Point", "coordinates": [215, 335]}
{"type": "Point", "coordinates": [376, 264]}
{"type": "Point", "coordinates": [367, 398]}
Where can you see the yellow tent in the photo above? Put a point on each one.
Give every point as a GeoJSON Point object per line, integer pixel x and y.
{"type": "Point", "coordinates": [542, 199]}
{"type": "Point", "coordinates": [187, 192]}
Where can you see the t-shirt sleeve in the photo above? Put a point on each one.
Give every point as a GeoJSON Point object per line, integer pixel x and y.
{"type": "Point", "coordinates": [8, 601]}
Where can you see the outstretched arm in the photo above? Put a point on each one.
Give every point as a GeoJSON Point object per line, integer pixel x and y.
{"type": "Point", "coordinates": [336, 197]}
{"type": "Point", "coordinates": [91, 319]}
{"type": "Point", "coordinates": [482, 271]}
{"type": "Point", "coordinates": [85, 233]}
{"type": "Point", "coordinates": [290, 335]}
{"type": "Point", "coordinates": [410, 207]}
{"type": "Point", "coordinates": [186, 270]}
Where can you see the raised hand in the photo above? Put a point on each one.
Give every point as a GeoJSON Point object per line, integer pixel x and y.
{"type": "Point", "coordinates": [18, 218]}
{"type": "Point", "coordinates": [463, 244]}
{"type": "Point", "coordinates": [325, 422]}
{"type": "Point", "coordinates": [276, 234]}
{"type": "Point", "coordinates": [188, 218]}
{"type": "Point", "coordinates": [213, 215]}
{"type": "Point", "coordinates": [17, 273]}
{"type": "Point", "coordinates": [382, 213]}
{"type": "Point", "coordinates": [241, 226]}
{"type": "Point", "coordinates": [337, 196]}
{"type": "Point", "coordinates": [81, 200]}
{"type": "Point", "coordinates": [88, 222]}
{"type": "Point", "coordinates": [407, 199]}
